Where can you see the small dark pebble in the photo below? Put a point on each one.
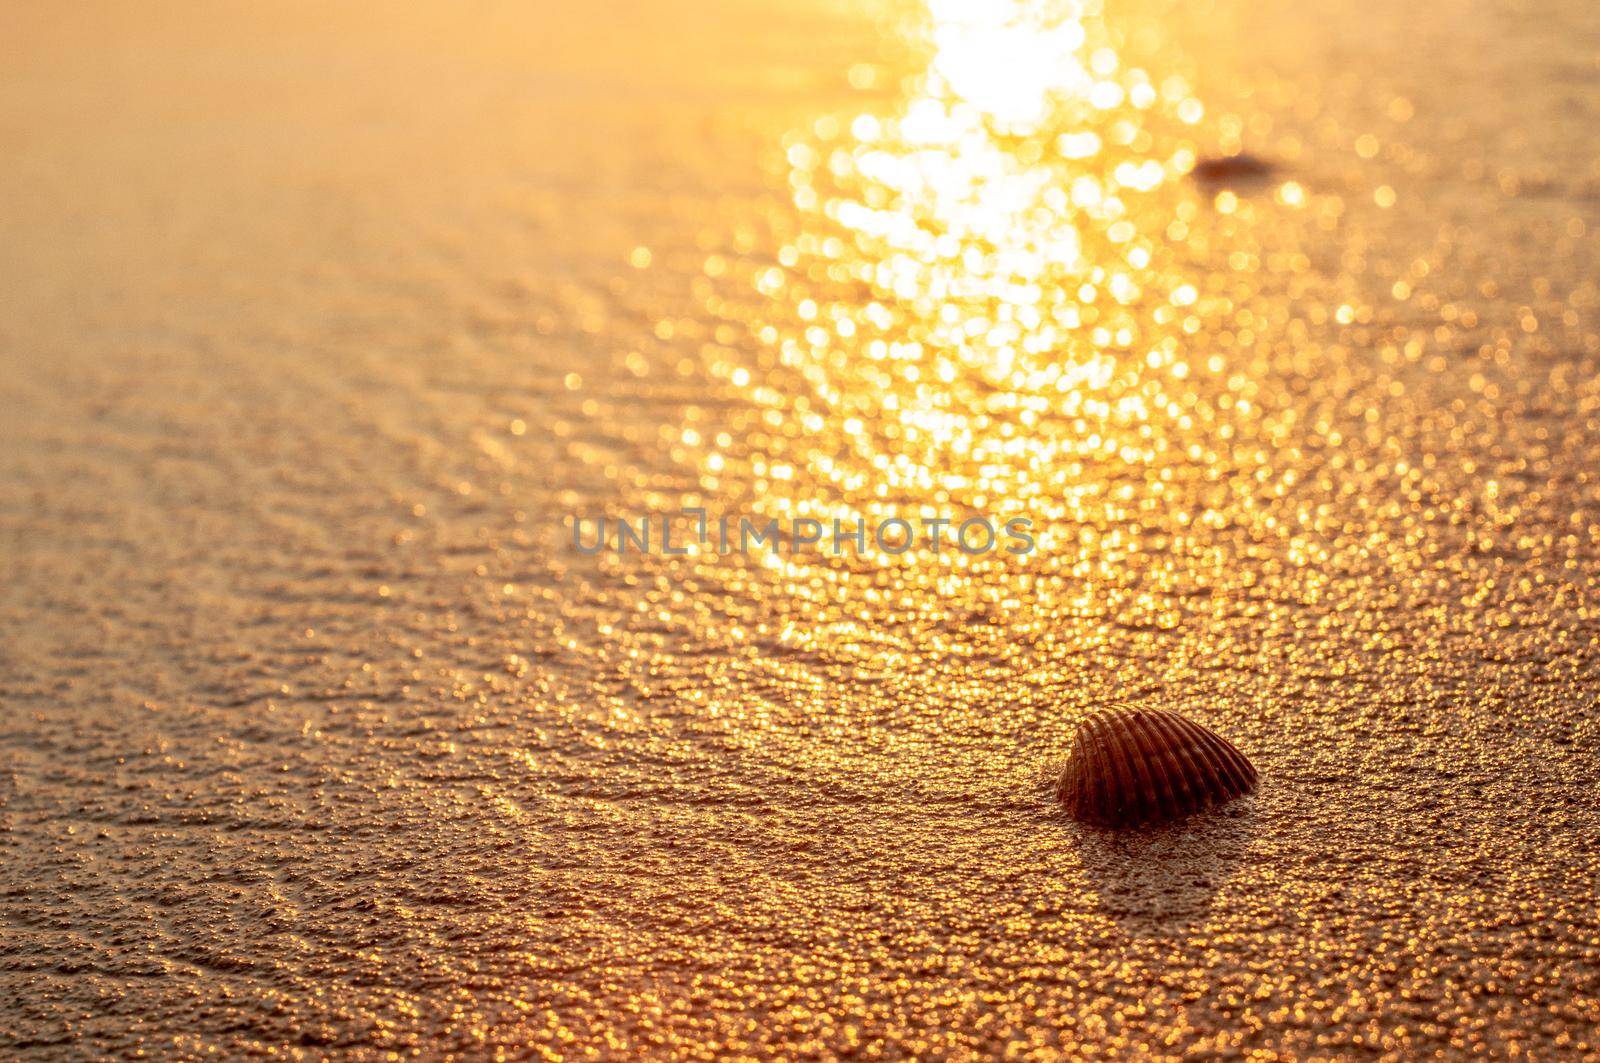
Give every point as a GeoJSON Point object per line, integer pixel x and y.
{"type": "Point", "coordinates": [1222, 169]}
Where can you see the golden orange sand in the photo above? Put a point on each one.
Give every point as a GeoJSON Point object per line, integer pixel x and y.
{"type": "Point", "coordinates": [317, 322]}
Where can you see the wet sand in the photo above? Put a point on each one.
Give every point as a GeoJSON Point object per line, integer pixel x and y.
{"type": "Point", "coordinates": [318, 327]}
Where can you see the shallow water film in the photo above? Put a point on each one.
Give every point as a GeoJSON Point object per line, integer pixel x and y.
{"type": "Point", "coordinates": [334, 338]}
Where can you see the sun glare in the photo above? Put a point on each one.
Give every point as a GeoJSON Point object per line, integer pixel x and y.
{"type": "Point", "coordinates": [982, 283]}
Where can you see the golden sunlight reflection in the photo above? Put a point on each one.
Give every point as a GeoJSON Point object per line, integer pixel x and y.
{"type": "Point", "coordinates": [985, 301]}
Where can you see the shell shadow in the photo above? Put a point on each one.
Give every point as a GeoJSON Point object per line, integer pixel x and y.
{"type": "Point", "coordinates": [1155, 879]}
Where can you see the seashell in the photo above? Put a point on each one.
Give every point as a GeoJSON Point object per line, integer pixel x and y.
{"type": "Point", "coordinates": [1226, 169]}
{"type": "Point", "coordinates": [1133, 766]}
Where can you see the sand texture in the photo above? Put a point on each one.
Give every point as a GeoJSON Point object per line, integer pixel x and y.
{"type": "Point", "coordinates": [320, 322]}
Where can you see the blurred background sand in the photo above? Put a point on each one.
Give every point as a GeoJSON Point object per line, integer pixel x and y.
{"type": "Point", "coordinates": [317, 322]}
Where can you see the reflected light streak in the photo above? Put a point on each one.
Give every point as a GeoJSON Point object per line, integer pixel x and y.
{"type": "Point", "coordinates": [985, 302]}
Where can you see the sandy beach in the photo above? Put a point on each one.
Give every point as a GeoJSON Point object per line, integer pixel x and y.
{"type": "Point", "coordinates": [323, 326]}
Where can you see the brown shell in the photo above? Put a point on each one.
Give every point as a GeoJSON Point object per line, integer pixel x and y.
{"type": "Point", "coordinates": [1133, 766]}
{"type": "Point", "coordinates": [1224, 169]}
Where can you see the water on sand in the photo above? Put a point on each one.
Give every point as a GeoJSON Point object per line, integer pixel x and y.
{"type": "Point", "coordinates": [317, 323]}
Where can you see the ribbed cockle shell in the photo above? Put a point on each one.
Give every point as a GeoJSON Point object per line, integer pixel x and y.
{"type": "Point", "coordinates": [1133, 766]}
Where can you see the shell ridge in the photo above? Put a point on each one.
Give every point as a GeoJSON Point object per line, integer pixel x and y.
{"type": "Point", "coordinates": [1179, 753]}
{"type": "Point", "coordinates": [1109, 775]}
{"type": "Point", "coordinates": [1151, 762]}
{"type": "Point", "coordinates": [1211, 767]}
{"type": "Point", "coordinates": [1193, 769]}
{"type": "Point", "coordinates": [1237, 770]}
{"type": "Point", "coordinates": [1206, 744]}
{"type": "Point", "coordinates": [1243, 772]}
{"type": "Point", "coordinates": [1082, 768]}
{"type": "Point", "coordinates": [1135, 795]}
{"type": "Point", "coordinates": [1108, 780]}
{"type": "Point", "coordinates": [1130, 791]}
{"type": "Point", "coordinates": [1131, 765]}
